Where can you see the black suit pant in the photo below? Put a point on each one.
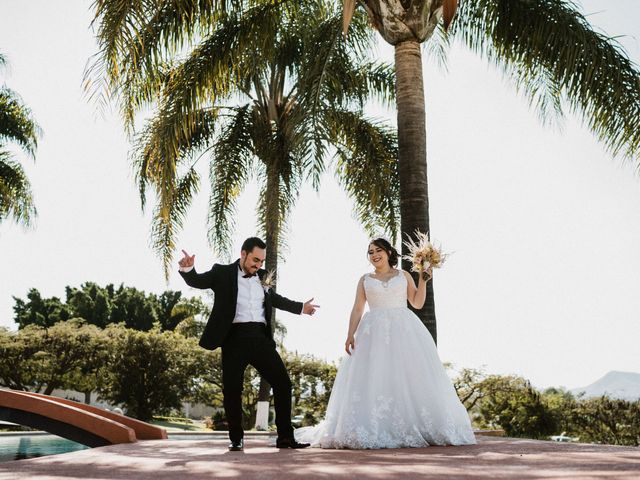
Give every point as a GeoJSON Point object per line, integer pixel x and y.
{"type": "Point", "coordinates": [248, 344]}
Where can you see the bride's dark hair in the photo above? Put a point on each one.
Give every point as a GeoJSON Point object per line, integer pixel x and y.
{"type": "Point", "coordinates": [387, 247]}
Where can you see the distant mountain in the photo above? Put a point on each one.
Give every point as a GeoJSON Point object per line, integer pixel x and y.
{"type": "Point", "coordinates": [621, 385]}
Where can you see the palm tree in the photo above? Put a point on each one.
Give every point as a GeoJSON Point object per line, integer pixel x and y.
{"type": "Point", "coordinates": [548, 48]}
{"type": "Point", "coordinates": [249, 91]}
{"type": "Point", "coordinates": [16, 126]}
{"type": "Point", "coordinates": [266, 92]}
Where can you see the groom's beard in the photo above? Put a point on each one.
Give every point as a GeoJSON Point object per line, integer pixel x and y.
{"type": "Point", "coordinates": [245, 272]}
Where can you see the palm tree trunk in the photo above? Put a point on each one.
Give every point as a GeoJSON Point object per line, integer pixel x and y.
{"type": "Point", "coordinates": [272, 234]}
{"type": "Point", "coordinates": [412, 161]}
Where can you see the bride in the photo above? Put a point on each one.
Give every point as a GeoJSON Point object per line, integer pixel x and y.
{"type": "Point", "coordinates": [391, 391]}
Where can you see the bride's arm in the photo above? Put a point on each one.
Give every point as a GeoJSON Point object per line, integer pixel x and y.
{"type": "Point", "coordinates": [416, 296]}
{"type": "Point", "coordinates": [356, 315]}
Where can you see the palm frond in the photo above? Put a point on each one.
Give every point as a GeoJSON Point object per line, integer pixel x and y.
{"type": "Point", "coordinates": [156, 163]}
{"type": "Point", "coordinates": [331, 60]}
{"type": "Point", "coordinates": [232, 159]}
{"type": "Point", "coordinates": [157, 158]}
{"type": "Point", "coordinates": [550, 46]}
{"type": "Point", "coordinates": [280, 148]}
{"type": "Point", "coordinates": [131, 38]}
{"type": "Point", "coordinates": [274, 206]}
{"type": "Point", "coordinates": [16, 200]}
{"type": "Point", "coordinates": [116, 24]}
{"type": "Point", "coordinates": [172, 24]}
{"type": "Point", "coordinates": [211, 73]}
{"type": "Point", "coordinates": [437, 47]}
{"type": "Point", "coordinates": [16, 122]}
{"type": "Point", "coordinates": [167, 222]}
{"type": "Point", "coordinates": [138, 39]}
{"type": "Point", "coordinates": [281, 179]}
{"type": "Point", "coordinates": [544, 95]}
{"type": "Point", "coordinates": [342, 71]}
{"type": "Point", "coordinates": [367, 168]}
{"type": "Point", "coordinates": [336, 73]}
{"type": "Point", "coordinates": [318, 140]}
{"type": "Point", "coordinates": [353, 84]}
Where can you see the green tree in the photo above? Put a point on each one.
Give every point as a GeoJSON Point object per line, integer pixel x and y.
{"type": "Point", "coordinates": [546, 47]}
{"type": "Point", "coordinates": [515, 406]}
{"type": "Point", "coordinates": [193, 324]}
{"type": "Point", "coordinates": [67, 355]}
{"type": "Point", "coordinates": [20, 368]}
{"type": "Point", "coordinates": [173, 310]}
{"type": "Point", "coordinates": [471, 387]}
{"type": "Point", "coordinates": [135, 308]}
{"type": "Point", "coordinates": [91, 302]}
{"type": "Point", "coordinates": [36, 310]}
{"type": "Point", "coordinates": [102, 306]}
{"type": "Point", "coordinates": [312, 381]}
{"type": "Point", "coordinates": [71, 357]}
{"type": "Point", "coordinates": [607, 420]}
{"type": "Point", "coordinates": [561, 404]}
{"type": "Point", "coordinates": [17, 126]}
{"type": "Point", "coordinates": [150, 372]}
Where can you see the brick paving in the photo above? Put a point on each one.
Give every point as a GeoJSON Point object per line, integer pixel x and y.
{"type": "Point", "coordinates": [492, 457]}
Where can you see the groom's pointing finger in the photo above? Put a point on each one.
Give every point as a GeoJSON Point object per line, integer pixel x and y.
{"type": "Point", "coordinates": [308, 302]}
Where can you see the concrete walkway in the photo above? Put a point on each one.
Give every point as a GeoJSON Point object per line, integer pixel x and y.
{"type": "Point", "coordinates": [495, 458]}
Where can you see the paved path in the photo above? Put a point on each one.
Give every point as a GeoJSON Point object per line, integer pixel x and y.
{"type": "Point", "coordinates": [495, 458]}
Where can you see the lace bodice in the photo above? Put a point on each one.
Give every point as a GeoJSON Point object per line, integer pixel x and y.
{"type": "Point", "coordinates": [390, 294]}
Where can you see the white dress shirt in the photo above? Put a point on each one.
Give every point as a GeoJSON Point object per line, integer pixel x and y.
{"type": "Point", "coordinates": [250, 305]}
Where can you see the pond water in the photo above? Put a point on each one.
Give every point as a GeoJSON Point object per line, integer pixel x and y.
{"type": "Point", "coordinates": [17, 447]}
{"type": "Point", "coordinates": [21, 446]}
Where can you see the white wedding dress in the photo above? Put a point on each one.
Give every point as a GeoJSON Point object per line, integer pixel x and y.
{"type": "Point", "coordinates": [393, 391]}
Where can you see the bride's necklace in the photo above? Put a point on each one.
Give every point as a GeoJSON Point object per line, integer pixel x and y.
{"type": "Point", "coordinates": [385, 283]}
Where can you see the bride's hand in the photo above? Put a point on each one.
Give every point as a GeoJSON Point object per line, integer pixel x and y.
{"type": "Point", "coordinates": [427, 274]}
{"type": "Point", "coordinates": [350, 343]}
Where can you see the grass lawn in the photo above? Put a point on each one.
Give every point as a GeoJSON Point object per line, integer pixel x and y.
{"type": "Point", "coordinates": [179, 424]}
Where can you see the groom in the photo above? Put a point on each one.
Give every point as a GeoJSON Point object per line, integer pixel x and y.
{"type": "Point", "coordinates": [240, 323]}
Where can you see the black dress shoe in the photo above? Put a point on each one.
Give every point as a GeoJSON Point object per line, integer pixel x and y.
{"type": "Point", "coordinates": [236, 446]}
{"type": "Point", "coordinates": [290, 443]}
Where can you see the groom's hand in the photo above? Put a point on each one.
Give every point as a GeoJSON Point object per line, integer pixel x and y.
{"type": "Point", "coordinates": [309, 308]}
{"type": "Point", "coordinates": [186, 261]}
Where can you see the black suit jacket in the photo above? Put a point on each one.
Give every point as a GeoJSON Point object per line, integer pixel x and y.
{"type": "Point", "coordinates": [223, 280]}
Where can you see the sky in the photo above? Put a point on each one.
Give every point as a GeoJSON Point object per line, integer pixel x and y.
{"type": "Point", "coordinates": [543, 224]}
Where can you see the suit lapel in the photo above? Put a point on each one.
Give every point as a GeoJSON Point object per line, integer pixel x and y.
{"type": "Point", "coordinates": [233, 279]}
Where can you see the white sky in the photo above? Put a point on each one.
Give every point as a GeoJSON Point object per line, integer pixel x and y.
{"type": "Point", "coordinates": [544, 223]}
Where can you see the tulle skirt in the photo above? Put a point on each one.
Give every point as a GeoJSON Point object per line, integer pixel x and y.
{"type": "Point", "coordinates": [392, 392]}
